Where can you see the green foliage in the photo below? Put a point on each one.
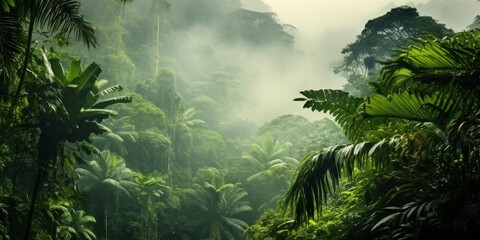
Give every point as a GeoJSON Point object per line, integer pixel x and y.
{"type": "Point", "coordinates": [107, 171]}
{"type": "Point", "coordinates": [75, 225]}
{"type": "Point", "coordinates": [63, 17]}
{"type": "Point", "coordinates": [344, 108]}
{"type": "Point", "coordinates": [7, 4]}
{"type": "Point", "coordinates": [378, 40]}
{"type": "Point", "coordinates": [54, 104]}
{"type": "Point", "coordinates": [383, 34]}
{"type": "Point", "coordinates": [106, 176]}
{"type": "Point", "coordinates": [122, 134]}
{"type": "Point", "coordinates": [271, 225]}
{"type": "Point", "coordinates": [210, 175]}
{"type": "Point", "coordinates": [142, 114]}
{"type": "Point", "coordinates": [402, 204]}
{"type": "Point", "coordinates": [270, 159]}
{"type": "Point", "coordinates": [79, 110]}
{"type": "Point", "coordinates": [215, 210]}
{"type": "Point", "coordinates": [208, 147]}
{"type": "Point", "coordinates": [152, 187]}
{"type": "Point", "coordinates": [270, 168]}
{"type": "Point", "coordinates": [302, 133]}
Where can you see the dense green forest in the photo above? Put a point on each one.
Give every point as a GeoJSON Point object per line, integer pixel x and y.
{"type": "Point", "coordinates": [131, 120]}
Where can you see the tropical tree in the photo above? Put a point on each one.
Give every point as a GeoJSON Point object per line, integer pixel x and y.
{"type": "Point", "coordinates": [73, 224]}
{"type": "Point", "coordinates": [72, 111]}
{"type": "Point", "coordinates": [215, 210]}
{"type": "Point", "coordinates": [272, 168]}
{"type": "Point", "coordinates": [378, 40]}
{"type": "Point", "coordinates": [302, 133]}
{"type": "Point", "coordinates": [122, 133]}
{"type": "Point", "coordinates": [164, 94]}
{"type": "Point", "coordinates": [57, 17]}
{"type": "Point", "coordinates": [151, 187]}
{"type": "Point", "coordinates": [429, 93]}
{"type": "Point", "coordinates": [475, 23]}
{"type": "Point", "coordinates": [152, 148]}
{"type": "Point", "coordinates": [106, 175]}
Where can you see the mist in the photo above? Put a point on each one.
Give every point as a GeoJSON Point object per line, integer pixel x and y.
{"type": "Point", "coordinates": [272, 76]}
{"type": "Point", "coordinates": [324, 28]}
{"type": "Point", "coordinates": [176, 119]}
{"type": "Point", "coordinates": [266, 76]}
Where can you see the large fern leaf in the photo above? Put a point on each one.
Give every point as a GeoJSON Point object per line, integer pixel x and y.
{"type": "Point", "coordinates": [320, 173]}
{"type": "Point", "coordinates": [438, 108]}
{"type": "Point", "coordinates": [344, 108]}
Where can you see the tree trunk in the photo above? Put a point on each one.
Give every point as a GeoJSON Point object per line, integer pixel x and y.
{"type": "Point", "coordinates": [47, 150]}
{"type": "Point", "coordinates": [26, 60]}
{"type": "Point", "coordinates": [36, 192]}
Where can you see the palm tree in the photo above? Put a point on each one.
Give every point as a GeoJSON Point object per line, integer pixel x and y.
{"type": "Point", "coordinates": [67, 223]}
{"type": "Point", "coordinates": [151, 186]}
{"type": "Point", "coordinates": [215, 210]}
{"type": "Point", "coordinates": [76, 225]}
{"type": "Point", "coordinates": [270, 159]}
{"type": "Point", "coordinates": [73, 113]}
{"type": "Point", "coordinates": [61, 17]}
{"type": "Point", "coordinates": [106, 175]}
{"type": "Point", "coordinates": [431, 90]}
{"type": "Point", "coordinates": [271, 166]}
{"type": "Point", "coordinates": [115, 140]}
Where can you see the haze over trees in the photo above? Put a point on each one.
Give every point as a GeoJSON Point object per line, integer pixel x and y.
{"type": "Point", "coordinates": [142, 120]}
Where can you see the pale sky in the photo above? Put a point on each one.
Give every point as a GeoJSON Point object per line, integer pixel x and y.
{"type": "Point", "coordinates": [346, 18]}
{"type": "Point", "coordinates": [327, 26]}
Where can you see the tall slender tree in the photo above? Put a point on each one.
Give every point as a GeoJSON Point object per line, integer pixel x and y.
{"type": "Point", "coordinates": [107, 175]}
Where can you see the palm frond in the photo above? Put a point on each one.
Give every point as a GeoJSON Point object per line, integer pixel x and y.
{"type": "Point", "coordinates": [320, 173]}
{"type": "Point", "coordinates": [64, 17]}
{"type": "Point", "coordinates": [95, 114]}
{"type": "Point", "coordinates": [116, 186]}
{"type": "Point", "coordinates": [111, 101]}
{"type": "Point", "coordinates": [438, 108]}
{"type": "Point", "coordinates": [110, 90]}
{"type": "Point", "coordinates": [447, 63]}
{"type": "Point", "coordinates": [11, 46]}
{"type": "Point", "coordinates": [236, 223]}
{"type": "Point", "coordinates": [344, 108]}
{"type": "Point", "coordinates": [11, 38]}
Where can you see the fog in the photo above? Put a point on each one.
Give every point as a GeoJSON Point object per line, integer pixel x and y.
{"type": "Point", "coordinates": [267, 77]}
{"type": "Point", "coordinates": [324, 28]}
{"type": "Point", "coordinates": [178, 122]}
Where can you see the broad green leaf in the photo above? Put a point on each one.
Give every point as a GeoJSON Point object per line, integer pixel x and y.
{"type": "Point", "coordinates": [74, 70]}
{"type": "Point", "coordinates": [57, 69]}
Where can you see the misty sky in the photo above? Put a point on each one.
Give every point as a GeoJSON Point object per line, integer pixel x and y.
{"type": "Point", "coordinates": [315, 17]}
{"type": "Point", "coordinates": [326, 26]}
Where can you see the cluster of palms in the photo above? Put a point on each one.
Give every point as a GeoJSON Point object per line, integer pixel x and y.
{"type": "Point", "coordinates": [62, 107]}
{"type": "Point", "coordinates": [214, 209]}
{"type": "Point", "coordinates": [418, 137]}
